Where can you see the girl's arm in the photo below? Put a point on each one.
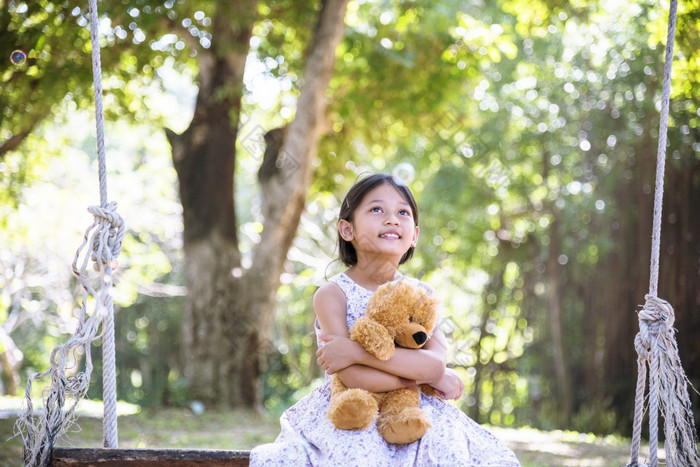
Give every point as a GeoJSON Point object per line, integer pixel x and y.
{"type": "Point", "coordinates": [448, 386]}
{"type": "Point", "coordinates": [426, 365]}
{"type": "Point", "coordinates": [352, 363]}
{"type": "Point", "coordinates": [330, 307]}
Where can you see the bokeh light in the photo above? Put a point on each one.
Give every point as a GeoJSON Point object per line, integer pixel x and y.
{"type": "Point", "coordinates": [18, 57]}
{"type": "Point", "coordinates": [404, 172]}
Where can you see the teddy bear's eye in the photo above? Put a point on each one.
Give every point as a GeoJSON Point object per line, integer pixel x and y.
{"type": "Point", "coordinates": [410, 319]}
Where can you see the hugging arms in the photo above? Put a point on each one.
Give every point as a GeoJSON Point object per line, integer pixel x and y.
{"type": "Point", "coordinates": [357, 368]}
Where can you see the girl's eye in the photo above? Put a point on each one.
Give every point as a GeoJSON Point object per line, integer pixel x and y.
{"type": "Point", "coordinates": [376, 209]}
{"type": "Point", "coordinates": [404, 212]}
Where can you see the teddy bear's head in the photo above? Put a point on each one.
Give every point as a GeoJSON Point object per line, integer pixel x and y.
{"type": "Point", "coordinates": [408, 312]}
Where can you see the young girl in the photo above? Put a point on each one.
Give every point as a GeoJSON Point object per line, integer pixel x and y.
{"type": "Point", "coordinates": [377, 231]}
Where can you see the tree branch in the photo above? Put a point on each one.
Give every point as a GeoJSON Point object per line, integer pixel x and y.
{"type": "Point", "coordinates": [14, 142]}
{"type": "Point", "coordinates": [284, 195]}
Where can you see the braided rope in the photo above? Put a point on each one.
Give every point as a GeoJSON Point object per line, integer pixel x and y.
{"type": "Point", "coordinates": [109, 375]}
{"type": "Point", "coordinates": [39, 433]}
{"type": "Point", "coordinates": [103, 240]}
{"type": "Point", "coordinates": [657, 352]}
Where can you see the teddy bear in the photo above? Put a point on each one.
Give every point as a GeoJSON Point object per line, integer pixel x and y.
{"type": "Point", "coordinates": [400, 313]}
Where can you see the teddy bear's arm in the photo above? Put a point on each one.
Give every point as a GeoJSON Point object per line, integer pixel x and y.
{"type": "Point", "coordinates": [373, 337]}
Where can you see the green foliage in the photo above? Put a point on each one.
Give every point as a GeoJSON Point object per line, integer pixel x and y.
{"type": "Point", "coordinates": [40, 300]}
{"type": "Point", "coordinates": [292, 370]}
{"type": "Point", "coordinates": [42, 30]}
{"type": "Point", "coordinates": [148, 368]}
{"type": "Point", "coordinates": [55, 37]}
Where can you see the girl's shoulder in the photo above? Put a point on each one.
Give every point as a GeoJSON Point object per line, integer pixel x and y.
{"type": "Point", "coordinates": [335, 290]}
{"type": "Point", "coordinates": [329, 291]}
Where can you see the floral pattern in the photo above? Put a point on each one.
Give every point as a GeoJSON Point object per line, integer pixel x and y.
{"type": "Point", "coordinates": [308, 438]}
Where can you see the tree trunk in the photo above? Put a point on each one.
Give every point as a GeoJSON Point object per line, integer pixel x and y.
{"type": "Point", "coordinates": [229, 309]}
{"type": "Point", "coordinates": [483, 375]}
{"type": "Point", "coordinates": [679, 277]}
{"type": "Point", "coordinates": [10, 362]}
{"type": "Point", "coordinates": [629, 269]}
{"type": "Point", "coordinates": [562, 370]}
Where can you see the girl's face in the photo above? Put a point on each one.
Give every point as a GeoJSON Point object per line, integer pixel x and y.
{"type": "Point", "coordinates": [383, 224]}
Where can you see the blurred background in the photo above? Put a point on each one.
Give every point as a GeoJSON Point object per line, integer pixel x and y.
{"type": "Point", "coordinates": [527, 131]}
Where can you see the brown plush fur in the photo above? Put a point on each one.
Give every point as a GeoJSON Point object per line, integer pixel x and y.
{"type": "Point", "coordinates": [399, 313]}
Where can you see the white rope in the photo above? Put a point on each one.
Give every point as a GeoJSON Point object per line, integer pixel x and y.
{"type": "Point", "coordinates": [39, 432]}
{"type": "Point", "coordinates": [109, 378]}
{"type": "Point", "coordinates": [655, 343]}
{"type": "Point", "coordinates": [97, 88]}
{"type": "Point", "coordinates": [104, 241]}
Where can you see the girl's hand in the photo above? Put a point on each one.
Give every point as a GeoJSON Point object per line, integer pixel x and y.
{"type": "Point", "coordinates": [450, 385]}
{"type": "Point", "coordinates": [337, 353]}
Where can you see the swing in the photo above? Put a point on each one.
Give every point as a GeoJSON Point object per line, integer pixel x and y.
{"type": "Point", "coordinates": [655, 342]}
{"type": "Point", "coordinates": [103, 240]}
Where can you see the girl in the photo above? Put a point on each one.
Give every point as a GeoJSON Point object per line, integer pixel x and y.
{"type": "Point", "coordinates": [377, 231]}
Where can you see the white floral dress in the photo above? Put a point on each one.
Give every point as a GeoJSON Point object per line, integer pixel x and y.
{"type": "Point", "coordinates": [308, 438]}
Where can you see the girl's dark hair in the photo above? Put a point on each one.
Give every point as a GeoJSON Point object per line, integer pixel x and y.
{"type": "Point", "coordinates": [352, 200]}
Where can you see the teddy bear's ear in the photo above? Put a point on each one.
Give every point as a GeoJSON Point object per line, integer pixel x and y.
{"type": "Point", "coordinates": [373, 337]}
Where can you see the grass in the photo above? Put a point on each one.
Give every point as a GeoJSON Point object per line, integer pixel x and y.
{"type": "Point", "coordinates": [180, 428]}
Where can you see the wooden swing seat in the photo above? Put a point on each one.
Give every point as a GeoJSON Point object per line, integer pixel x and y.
{"type": "Point", "coordinates": [106, 457]}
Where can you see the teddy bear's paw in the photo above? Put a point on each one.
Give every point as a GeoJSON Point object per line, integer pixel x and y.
{"type": "Point", "coordinates": [353, 409]}
{"type": "Point", "coordinates": [404, 427]}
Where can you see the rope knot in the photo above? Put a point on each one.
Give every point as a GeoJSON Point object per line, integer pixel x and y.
{"type": "Point", "coordinates": [656, 315]}
{"type": "Point", "coordinates": [655, 318]}
{"type": "Point", "coordinates": [106, 241]}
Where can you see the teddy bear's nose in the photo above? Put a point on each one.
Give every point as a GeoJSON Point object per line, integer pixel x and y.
{"type": "Point", "coordinates": [420, 337]}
